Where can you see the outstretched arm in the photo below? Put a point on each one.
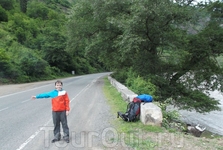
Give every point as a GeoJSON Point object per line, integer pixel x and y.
{"type": "Point", "coordinates": [43, 95]}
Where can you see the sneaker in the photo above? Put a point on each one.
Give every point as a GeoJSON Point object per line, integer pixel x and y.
{"type": "Point", "coordinates": [66, 139]}
{"type": "Point", "coordinates": [55, 140]}
{"type": "Point", "coordinates": [123, 116]}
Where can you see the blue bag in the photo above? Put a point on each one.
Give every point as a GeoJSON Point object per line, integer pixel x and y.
{"type": "Point", "coordinates": [145, 98]}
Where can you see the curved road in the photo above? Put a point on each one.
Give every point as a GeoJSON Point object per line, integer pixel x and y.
{"type": "Point", "coordinates": [27, 124]}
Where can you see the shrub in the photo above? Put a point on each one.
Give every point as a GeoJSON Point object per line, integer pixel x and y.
{"type": "Point", "coordinates": [120, 75]}
{"type": "Point", "coordinates": [21, 35]}
{"type": "Point", "coordinates": [14, 73]}
{"type": "Point", "coordinates": [37, 10]}
{"type": "Point", "coordinates": [32, 65]}
{"type": "Point", "coordinates": [64, 3]}
{"type": "Point", "coordinates": [139, 85]}
{"type": "Point", "coordinates": [171, 118]}
{"type": "Point", "coordinates": [8, 69]}
{"type": "Point", "coordinates": [4, 60]}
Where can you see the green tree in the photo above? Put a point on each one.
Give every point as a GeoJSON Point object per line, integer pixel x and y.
{"type": "Point", "coordinates": [27, 36]}
{"type": "Point", "coordinates": [4, 61]}
{"type": "Point", "coordinates": [83, 31]}
{"type": "Point", "coordinates": [54, 47]}
{"type": "Point", "coordinates": [21, 35]}
{"type": "Point", "coordinates": [7, 69]}
{"type": "Point", "coordinates": [166, 42]}
{"type": "Point", "coordinates": [32, 65]}
{"type": "Point", "coordinates": [7, 4]}
{"type": "Point", "coordinates": [38, 10]}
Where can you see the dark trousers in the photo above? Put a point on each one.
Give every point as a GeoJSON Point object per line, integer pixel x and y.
{"type": "Point", "coordinates": [60, 117]}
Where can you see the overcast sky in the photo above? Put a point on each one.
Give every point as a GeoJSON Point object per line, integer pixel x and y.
{"type": "Point", "coordinates": [204, 0]}
{"type": "Point", "coordinates": [195, 1]}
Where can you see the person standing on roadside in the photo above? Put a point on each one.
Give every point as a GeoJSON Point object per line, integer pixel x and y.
{"type": "Point", "coordinates": [60, 110]}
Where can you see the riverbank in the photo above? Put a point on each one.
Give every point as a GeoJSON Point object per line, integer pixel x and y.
{"type": "Point", "coordinates": [212, 121]}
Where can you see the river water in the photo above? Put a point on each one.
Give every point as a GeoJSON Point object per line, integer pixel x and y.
{"type": "Point", "coordinates": [213, 121]}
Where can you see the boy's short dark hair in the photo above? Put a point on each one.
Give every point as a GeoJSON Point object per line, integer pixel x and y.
{"type": "Point", "coordinates": [58, 81]}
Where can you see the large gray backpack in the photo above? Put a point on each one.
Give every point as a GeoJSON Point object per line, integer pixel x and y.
{"type": "Point", "coordinates": [132, 112]}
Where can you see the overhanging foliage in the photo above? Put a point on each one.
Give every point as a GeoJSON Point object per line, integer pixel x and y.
{"type": "Point", "coordinates": [160, 40]}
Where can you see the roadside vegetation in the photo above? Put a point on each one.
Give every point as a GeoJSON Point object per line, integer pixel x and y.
{"type": "Point", "coordinates": [33, 42]}
{"type": "Point", "coordinates": [135, 135]}
{"type": "Point", "coordinates": [173, 49]}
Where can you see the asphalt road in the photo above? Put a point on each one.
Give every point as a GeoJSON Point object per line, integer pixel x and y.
{"type": "Point", "coordinates": [27, 124]}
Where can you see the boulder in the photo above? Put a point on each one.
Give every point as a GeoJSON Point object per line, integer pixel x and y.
{"type": "Point", "coordinates": [151, 114]}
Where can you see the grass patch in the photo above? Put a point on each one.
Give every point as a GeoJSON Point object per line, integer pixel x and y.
{"type": "Point", "coordinates": [129, 132]}
{"type": "Point", "coordinates": [135, 135]}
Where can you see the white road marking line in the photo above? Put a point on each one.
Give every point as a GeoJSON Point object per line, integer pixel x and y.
{"type": "Point", "coordinates": [4, 108]}
{"type": "Point", "coordinates": [25, 101]}
{"type": "Point", "coordinates": [84, 89]}
{"type": "Point", "coordinates": [38, 131]}
{"type": "Point", "coordinates": [33, 136]}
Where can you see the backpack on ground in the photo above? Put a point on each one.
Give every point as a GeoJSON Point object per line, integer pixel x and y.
{"type": "Point", "coordinates": [133, 111]}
